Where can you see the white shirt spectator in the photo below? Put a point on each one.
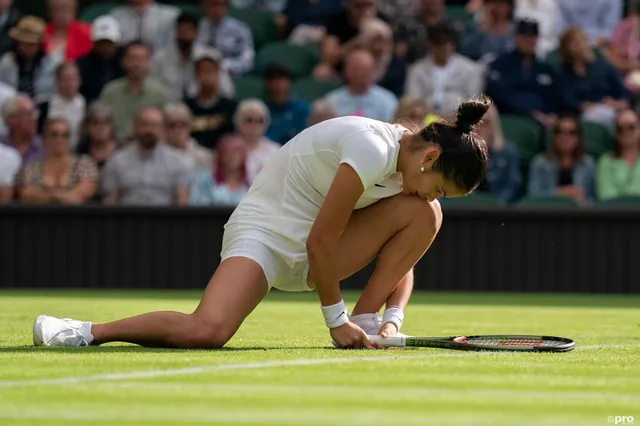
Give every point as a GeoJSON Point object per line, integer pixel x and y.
{"type": "Point", "coordinates": [6, 92]}
{"type": "Point", "coordinates": [155, 25]}
{"type": "Point", "coordinates": [233, 39]}
{"type": "Point", "coordinates": [10, 161]}
{"type": "Point", "coordinates": [72, 111]}
{"type": "Point", "coordinates": [546, 13]}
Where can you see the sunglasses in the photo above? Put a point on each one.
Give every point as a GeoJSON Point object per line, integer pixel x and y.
{"type": "Point", "coordinates": [64, 135]}
{"type": "Point", "coordinates": [627, 128]}
{"type": "Point", "coordinates": [254, 120]}
{"type": "Point", "coordinates": [561, 131]}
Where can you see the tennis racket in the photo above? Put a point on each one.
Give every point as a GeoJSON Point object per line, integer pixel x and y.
{"type": "Point", "coordinates": [500, 342]}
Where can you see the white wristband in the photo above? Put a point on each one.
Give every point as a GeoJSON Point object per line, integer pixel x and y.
{"type": "Point", "coordinates": [335, 315]}
{"type": "Point", "coordinates": [393, 315]}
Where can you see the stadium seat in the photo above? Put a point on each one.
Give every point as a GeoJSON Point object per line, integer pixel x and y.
{"type": "Point", "coordinates": [524, 134]}
{"type": "Point", "coordinates": [261, 22]}
{"type": "Point", "coordinates": [597, 138]}
{"type": "Point", "coordinates": [298, 59]}
{"type": "Point", "coordinates": [552, 201]}
{"type": "Point", "coordinates": [631, 201]}
{"type": "Point", "coordinates": [459, 13]}
{"type": "Point", "coordinates": [90, 13]}
{"type": "Point", "coordinates": [309, 90]}
{"type": "Point", "coordinates": [249, 87]}
{"type": "Point", "coordinates": [473, 200]}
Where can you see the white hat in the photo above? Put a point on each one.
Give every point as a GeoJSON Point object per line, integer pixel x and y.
{"type": "Point", "coordinates": [105, 28]}
{"type": "Point", "coordinates": [201, 52]}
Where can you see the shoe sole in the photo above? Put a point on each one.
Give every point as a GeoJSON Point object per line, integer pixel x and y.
{"type": "Point", "coordinates": [38, 331]}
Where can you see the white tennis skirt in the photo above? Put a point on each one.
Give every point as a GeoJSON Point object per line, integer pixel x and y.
{"type": "Point", "coordinates": [284, 276]}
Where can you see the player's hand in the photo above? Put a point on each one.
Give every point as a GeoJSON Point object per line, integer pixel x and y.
{"type": "Point", "coordinates": [350, 336]}
{"type": "Point", "coordinates": [387, 330]}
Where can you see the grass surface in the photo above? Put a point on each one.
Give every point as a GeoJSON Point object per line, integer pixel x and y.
{"type": "Point", "coordinates": [281, 370]}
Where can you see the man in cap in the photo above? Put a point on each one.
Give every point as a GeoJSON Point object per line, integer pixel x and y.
{"type": "Point", "coordinates": [212, 112]}
{"type": "Point", "coordinates": [521, 84]}
{"type": "Point", "coordinates": [103, 64]}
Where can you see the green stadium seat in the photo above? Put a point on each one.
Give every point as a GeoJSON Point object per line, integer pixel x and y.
{"type": "Point", "coordinates": [597, 138]}
{"type": "Point", "coordinates": [249, 87]}
{"type": "Point", "coordinates": [631, 201]}
{"type": "Point", "coordinates": [552, 201]}
{"type": "Point", "coordinates": [261, 22]}
{"type": "Point", "coordinates": [309, 90]}
{"type": "Point", "coordinates": [473, 200]}
{"type": "Point", "coordinates": [298, 59]}
{"type": "Point", "coordinates": [459, 13]}
{"type": "Point", "coordinates": [524, 134]}
{"type": "Point", "coordinates": [94, 11]}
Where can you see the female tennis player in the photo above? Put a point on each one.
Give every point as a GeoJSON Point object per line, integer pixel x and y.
{"type": "Point", "coordinates": [336, 196]}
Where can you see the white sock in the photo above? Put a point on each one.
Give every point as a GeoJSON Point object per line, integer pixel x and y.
{"type": "Point", "coordinates": [368, 322]}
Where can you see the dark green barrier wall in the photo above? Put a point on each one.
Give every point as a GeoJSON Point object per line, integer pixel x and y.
{"type": "Point", "coordinates": [494, 250]}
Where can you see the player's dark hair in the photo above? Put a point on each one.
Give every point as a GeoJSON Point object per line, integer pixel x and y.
{"type": "Point", "coordinates": [463, 153]}
{"type": "Point", "coordinates": [187, 17]}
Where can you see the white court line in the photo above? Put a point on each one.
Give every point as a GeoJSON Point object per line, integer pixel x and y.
{"type": "Point", "coordinates": [247, 366]}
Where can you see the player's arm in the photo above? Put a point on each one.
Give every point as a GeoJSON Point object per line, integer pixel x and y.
{"type": "Point", "coordinates": [322, 243]}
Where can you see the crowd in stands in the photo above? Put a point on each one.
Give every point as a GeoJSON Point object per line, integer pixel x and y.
{"type": "Point", "coordinates": [157, 104]}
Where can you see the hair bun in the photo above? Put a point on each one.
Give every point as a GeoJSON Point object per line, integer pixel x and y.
{"type": "Point", "coordinates": [471, 112]}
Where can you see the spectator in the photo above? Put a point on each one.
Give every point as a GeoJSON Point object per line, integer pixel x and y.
{"type": "Point", "coordinates": [361, 96]}
{"type": "Point", "coordinates": [127, 95]}
{"type": "Point", "coordinates": [521, 84]}
{"type": "Point", "coordinates": [26, 67]}
{"type": "Point", "coordinates": [597, 18]}
{"type": "Point", "coordinates": [624, 49]}
{"type": "Point", "coordinates": [231, 37]}
{"type": "Point", "coordinates": [305, 21]}
{"type": "Point", "coordinates": [493, 35]}
{"type": "Point", "coordinates": [321, 110]}
{"type": "Point", "coordinates": [60, 177]}
{"type": "Point", "coordinates": [20, 116]}
{"type": "Point", "coordinates": [564, 169]}
{"type": "Point", "coordinates": [411, 110]}
{"type": "Point", "coordinates": [444, 76]}
{"type": "Point", "coordinates": [396, 13]}
{"type": "Point", "coordinates": [390, 70]}
{"type": "Point", "coordinates": [177, 124]}
{"type": "Point", "coordinates": [66, 102]}
{"type": "Point", "coordinates": [590, 86]}
{"type": "Point", "coordinates": [9, 165]}
{"type": "Point", "coordinates": [342, 36]}
{"type": "Point", "coordinates": [212, 112]}
{"type": "Point", "coordinates": [546, 13]}
{"type": "Point", "coordinates": [288, 116]}
{"type": "Point", "coordinates": [9, 17]}
{"type": "Point", "coordinates": [229, 183]}
{"type": "Point", "coordinates": [65, 37]}
{"type": "Point", "coordinates": [173, 66]}
{"type": "Point", "coordinates": [503, 177]}
{"type": "Point", "coordinates": [147, 172]}
{"type": "Point", "coordinates": [275, 6]}
{"type": "Point", "coordinates": [103, 64]}
{"type": "Point", "coordinates": [251, 121]}
{"type": "Point", "coordinates": [618, 174]}
{"type": "Point", "coordinates": [412, 34]}
{"type": "Point", "coordinates": [147, 21]}
{"type": "Point", "coordinates": [6, 92]}
{"type": "Point", "coordinates": [98, 139]}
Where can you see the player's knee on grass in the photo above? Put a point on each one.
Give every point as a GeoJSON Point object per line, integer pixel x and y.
{"type": "Point", "coordinates": [207, 334]}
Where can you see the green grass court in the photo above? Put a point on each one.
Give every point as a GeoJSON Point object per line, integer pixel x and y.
{"type": "Point", "coordinates": [281, 370]}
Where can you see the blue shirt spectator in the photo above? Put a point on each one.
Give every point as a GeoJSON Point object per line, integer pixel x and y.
{"type": "Point", "coordinates": [503, 177]}
{"type": "Point", "coordinates": [597, 18]}
{"type": "Point", "coordinates": [230, 36]}
{"type": "Point", "coordinates": [288, 116]}
{"type": "Point", "coordinates": [521, 84]}
{"type": "Point", "coordinates": [360, 96]}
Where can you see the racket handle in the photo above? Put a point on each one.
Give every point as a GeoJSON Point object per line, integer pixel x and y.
{"type": "Point", "coordinates": [389, 342]}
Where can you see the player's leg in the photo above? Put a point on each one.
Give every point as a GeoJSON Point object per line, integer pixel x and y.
{"type": "Point", "coordinates": [235, 289]}
{"type": "Point", "coordinates": [398, 230]}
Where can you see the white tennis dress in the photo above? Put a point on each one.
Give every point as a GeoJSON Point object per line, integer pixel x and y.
{"type": "Point", "coordinates": [272, 222]}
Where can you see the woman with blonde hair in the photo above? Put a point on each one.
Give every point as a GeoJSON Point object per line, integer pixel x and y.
{"type": "Point", "coordinates": [503, 176]}
{"type": "Point", "coordinates": [411, 109]}
{"type": "Point", "coordinates": [590, 86]}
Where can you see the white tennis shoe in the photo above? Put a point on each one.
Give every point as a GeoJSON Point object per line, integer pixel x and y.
{"type": "Point", "coordinates": [50, 331]}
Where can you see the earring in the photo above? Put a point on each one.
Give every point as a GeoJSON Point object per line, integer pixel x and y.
{"type": "Point", "coordinates": [422, 168]}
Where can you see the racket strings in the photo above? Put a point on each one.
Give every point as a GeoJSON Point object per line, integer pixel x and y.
{"type": "Point", "coordinates": [512, 342]}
